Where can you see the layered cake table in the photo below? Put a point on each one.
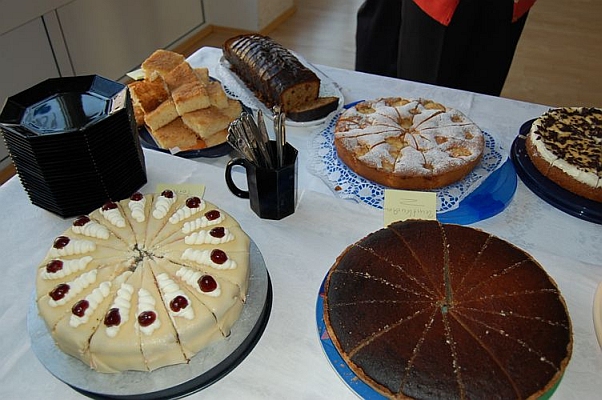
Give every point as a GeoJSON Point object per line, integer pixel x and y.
{"type": "Point", "coordinates": [289, 360]}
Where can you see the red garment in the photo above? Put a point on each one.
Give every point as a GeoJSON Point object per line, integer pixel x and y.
{"type": "Point", "coordinates": [443, 10]}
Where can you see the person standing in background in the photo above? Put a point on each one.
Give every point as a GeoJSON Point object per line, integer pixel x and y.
{"type": "Point", "coordinates": [462, 44]}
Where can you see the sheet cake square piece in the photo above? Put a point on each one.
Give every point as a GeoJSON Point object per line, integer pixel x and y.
{"type": "Point", "coordinates": [160, 63]}
{"type": "Point", "coordinates": [202, 74]}
{"type": "Point", "coordinates": [148, 94]}
{"type": "Point", "coordinates": [207, 121]}
{"type": "Point", "coordinates": [180, 75]}
{"type": "Point", "coordinates": [138, 114]}
{"type": "Point", "coordinates": [217, 95]}
{"type": "Point", "coordinates": [165, 113]}
{"type": "Point", "coordinates": [190, 97]}
{"type": "Point", "coordinates": [176, 134]}
{"type": "Point", "coordinates": [217, 138]}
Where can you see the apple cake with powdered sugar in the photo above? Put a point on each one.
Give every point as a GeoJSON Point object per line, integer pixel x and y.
{"type": "Point", "coordinates": [408, 144]}
{"type": "Point", "coordinates": [145, 282]}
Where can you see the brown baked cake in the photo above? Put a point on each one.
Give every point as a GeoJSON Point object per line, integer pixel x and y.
{"type": "Point", "coordinates": [565, 145]}
{"type": "Point", "coordinates": [408, 144]}
{"type": "Point", "coordinates": [427, 310]}
{"type": "Point", "coordinates": [277, 77]}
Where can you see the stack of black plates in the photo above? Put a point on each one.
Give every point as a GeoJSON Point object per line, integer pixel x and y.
{"type": "Point", "coordinates": [74, 143]}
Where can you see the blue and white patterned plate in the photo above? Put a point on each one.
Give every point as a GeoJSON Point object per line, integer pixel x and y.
{"type": "Point", "coordinates": [495, 173]}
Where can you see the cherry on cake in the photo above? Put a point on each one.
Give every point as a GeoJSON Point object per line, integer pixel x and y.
{"type": "Point", "coordinates": [423, 310]}
{"type": "Point", "coordinates": [144, 282]}
{"type": "Point", "coordinates": [408, 144]}
{"type": "Point", "coordinates": [565, 145]}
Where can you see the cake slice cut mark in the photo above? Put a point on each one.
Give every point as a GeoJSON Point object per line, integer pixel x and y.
{"type": "Point", "coordinates": [492, 356]}
{"type": "Point", "coordinates": [125, 233]}
{"type": "Point", "coordinates": [185, 314]}
{"type": "Point", "coordinates": [430, 117]}
{"type": "Point", "coordinates": [162, 208]}
{"type": "Point", "coordinates": [442, 126]}
{"type": "Point", "coordinates": [482, 270]}
{"type": "Point", "coordinates": [133, 209]}
{"type": "Point", "coordinates": [465, 311]}
{"type": "Point", "coordinates": [449, 294]}
{"type": "Point", "coordinates": [415, 348]}
{"type": "Point", "coordinates": [218, 303]}
{"type": "Point", "coordinates": [421, 291]}
{"type": "Point", "coordinates": [411, 271]}
{"type": "Point", "coordinates": [470, 361]}
{"type": "Point", "coordinates": [461, 261]}
{"type": "Point", "coordinates": [496, 276]}
{"type": "Point", "coordinates": [406, 377]}
{"type": "Point", "coordinates": [164, 303]}
{"type": "Point", "coordinates": [88, 303]}
{"type": "Point", "coordinates": [413, 237]}
{"type": "Point", "coordinates": [453, 350]}
{"type": "Point", "coordinates": [383, 131]}
{"type": "Point", "coordinates": [99, 322]}
{"type": "Point", "coordinates": [505, 365]}
{"type": "Point", "coordinates": [111, 353]}
{"type": "Point", "coordinates": [459, 284]}
{"type": "Point", "coordinates": [158, 338]}
{"type": "Point", "coordinates": [193, 256]}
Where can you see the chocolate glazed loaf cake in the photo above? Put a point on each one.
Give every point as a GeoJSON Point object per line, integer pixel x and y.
{"type": "Point", "coordinates": [427, 310]}
{"type": "Point", "coordinates": [277, 77]}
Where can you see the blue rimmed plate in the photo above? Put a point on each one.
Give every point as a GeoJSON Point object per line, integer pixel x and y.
{"type": "Point", "coordinates": [547, 190]}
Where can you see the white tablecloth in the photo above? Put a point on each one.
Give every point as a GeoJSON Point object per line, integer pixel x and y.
{"type": "Point", "coordinates": [288, 361]}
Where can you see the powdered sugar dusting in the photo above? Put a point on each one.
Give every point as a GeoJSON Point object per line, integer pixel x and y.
{"type": "Point", "coordinates": [345, 183]}
{"type": "Point", "coordinates": [409, 138]}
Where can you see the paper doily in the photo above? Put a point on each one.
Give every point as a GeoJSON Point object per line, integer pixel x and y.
{"type": "Point", "coordinates": [347, 184]}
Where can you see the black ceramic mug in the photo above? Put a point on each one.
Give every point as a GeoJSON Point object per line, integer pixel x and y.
{"type": "Point", "coordinates": [272, 192]}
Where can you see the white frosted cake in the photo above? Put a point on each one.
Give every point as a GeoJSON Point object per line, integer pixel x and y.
{"type": "Point", "coordinates": [145, 282]}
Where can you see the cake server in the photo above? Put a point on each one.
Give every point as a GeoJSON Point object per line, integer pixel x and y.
{"type": "Point", "coordinates": [264, 139]}
{"type": "Point", "coordinates": [256, 141]}
{"type": "Point", "coordinates": [237, 139]}
{"type": "Point", "coordinates": [279, 119]}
